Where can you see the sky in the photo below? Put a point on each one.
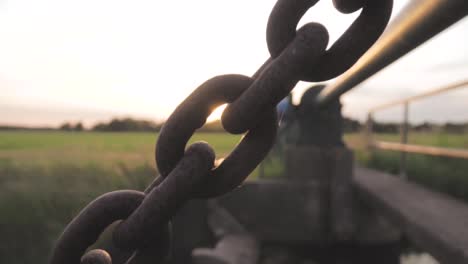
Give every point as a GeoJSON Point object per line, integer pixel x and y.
{"type": "Point", "coordinates": [92, 60]}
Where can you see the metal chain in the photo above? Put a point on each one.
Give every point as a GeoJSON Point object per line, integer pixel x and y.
{"type": "Point", "coordinates": [145, 228]}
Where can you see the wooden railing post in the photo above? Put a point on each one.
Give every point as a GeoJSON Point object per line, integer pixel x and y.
{"type": "Point", "coordinates": [369, 131]}
{"type": "Point", "coordinates": [404, 139]}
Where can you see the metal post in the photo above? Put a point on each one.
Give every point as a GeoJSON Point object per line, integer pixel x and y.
{"type": "Point", "coordinates": [369, 134]}
{"type": "Point", "coordinates": [404, 140]}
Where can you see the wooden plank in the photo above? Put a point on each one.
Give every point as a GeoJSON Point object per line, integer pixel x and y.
{"type": "Point", "coordinates": [342, 205]}
{"type": "Point", "coordinates": [235, 244]}
{"type": "Point", "coordinates": [279, 210]}
{"type": "Point", "coordinates": [231, 249]}
{"type": "Point", "coordinates": [433, 221]}
{"type": "Point", "coordinates": [273, 211]}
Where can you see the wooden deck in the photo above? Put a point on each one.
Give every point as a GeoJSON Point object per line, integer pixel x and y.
{"type": "Point", "coordinates": [433, 221]}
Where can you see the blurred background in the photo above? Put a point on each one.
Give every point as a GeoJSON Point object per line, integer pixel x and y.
{"type": "Point", "coordinates": [85, 86]}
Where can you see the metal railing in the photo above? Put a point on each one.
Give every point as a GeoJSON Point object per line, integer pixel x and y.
{"type": "Point", "coordinates": [418, 22]}
{"type": "Point", "coordinates": [403, 147]}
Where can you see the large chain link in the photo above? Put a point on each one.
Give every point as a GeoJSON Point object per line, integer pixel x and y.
{"type": "Point", "coordinates": [357, 39]}
{"type": "Point", "coordinates": [145, 229]}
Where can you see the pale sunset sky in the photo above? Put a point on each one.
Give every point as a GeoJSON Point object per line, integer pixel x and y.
{"type": "Point", "coordinates": [92, 60]}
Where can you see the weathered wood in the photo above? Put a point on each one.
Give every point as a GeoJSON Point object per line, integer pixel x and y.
{"type": "Point", "coordinates": [221, 222]}
{"type": "Point", "coordinates": [331, 169]}
{"type": "Point", "coordinates": [343, 218]}
{"type": "Point", "coordinates": [342, 204]}
{"type": "Point", "coordinates": [307, 163]}
{"type": "Point", "coordinates": [235, 246]}
{"type": "Point", "coordinates": [274, 211]}
{"type": "Point", "coordinates": [373, 228]}
{"type": "Point", "coordinates": [279, 210]}
{"type": "Point", "coordinates": [433, 221]}
{"type": "Point", "coordinates": [231, 249]}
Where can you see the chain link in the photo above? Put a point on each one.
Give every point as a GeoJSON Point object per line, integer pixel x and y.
{"type": "Point", "coordinates": [357, 39]}
{"type": "Point", "coordinates": [145, 228]}
{"type": "Point", "coordinates": [85, 228]}
{"type": "Point", "coordinates": [191, 114]}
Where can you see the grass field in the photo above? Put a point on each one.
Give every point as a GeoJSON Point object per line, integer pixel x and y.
{"type": "Point", "coordinates": [81, 148]}
{"type": "Point", "coordinates": [46, 177]}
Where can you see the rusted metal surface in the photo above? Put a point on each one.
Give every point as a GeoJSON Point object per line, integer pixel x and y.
{"type": "Point", "coordinates": [302, 55]}
{"type": "Point", "coordinates": [85, 229]}
{"type": "Point", "coordinates": [161, 203]}
{"type": "Point", "coordinates": [96, 256]}
{"type": "Point", "coordinates": [357, 39]}
{"type": "Point", "coordinates": [145, 228]}
{"type": "Point", "coordinates": [191, 115]}
{"type": "Point", "coordinates": [277, 80]}
{"type": "Point", "coordinates": [418, 22]}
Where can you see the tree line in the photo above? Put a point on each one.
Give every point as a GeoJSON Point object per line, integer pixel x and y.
{"type": "Point", "coordinates": [349, 126]}
{"type": "Point", "coordinates": [449, 127]}
{"type": "Point", "coordinates": [130, 124]}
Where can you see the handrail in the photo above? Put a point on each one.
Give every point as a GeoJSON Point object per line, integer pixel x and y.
{"type": "Point", "coordinates": [403, 147]}
{"type": "Point", "coordinates": [421, 96]}
{"type": "Point", "coordinates": [434, 151]}
{"type": "Point", "coordinates": [418, 22]}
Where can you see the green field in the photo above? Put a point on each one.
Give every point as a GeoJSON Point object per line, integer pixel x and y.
{"type": "Point", "coordinates": [47, 177]}
{"type": "Point", "coordinates": [84, 148]}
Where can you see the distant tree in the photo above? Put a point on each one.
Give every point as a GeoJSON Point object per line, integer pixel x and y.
{"type": "Point", "coordinates": [78, 127]}
{"type": "Point", "coordinates": [127, 124]}
{"type": "Point", "coordinates": [455, 128]}
{"type": "Point", "coordinates": [424, 127]}
{"type": "Point", "coordinates": [99, 127]}
{"type": "Point", "coordinates": [350, 125]}
{"type": "Point", "coordinates": [66, 127]}
{"type": "Point", "coordinates": [385, 127]}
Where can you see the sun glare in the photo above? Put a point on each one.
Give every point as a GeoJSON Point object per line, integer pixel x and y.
{"type": "Point", "coordinates": [216, 114]}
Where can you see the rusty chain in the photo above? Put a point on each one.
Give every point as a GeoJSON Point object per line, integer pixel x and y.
{"type": "Point", "coordinates": [144, 229]}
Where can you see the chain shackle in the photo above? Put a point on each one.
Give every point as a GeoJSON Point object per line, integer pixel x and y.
{"type": "Point", "coordinates": [191, 114]}
{"type": "Point", "coordinates": [86, 227]}
{"type": "Point", "coordinates": [277, 78]}
{"type": "Point", "coordinates": [357, 39]}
